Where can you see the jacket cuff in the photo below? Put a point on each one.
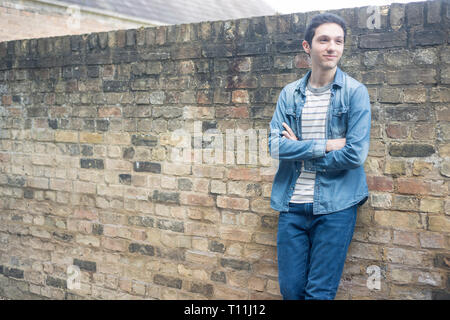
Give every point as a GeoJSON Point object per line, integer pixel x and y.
{"type": "Point", "coordinates": [319, 148]}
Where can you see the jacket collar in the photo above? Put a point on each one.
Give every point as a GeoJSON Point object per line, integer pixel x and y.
{"type": "Point", "coordinates": [338, 80]}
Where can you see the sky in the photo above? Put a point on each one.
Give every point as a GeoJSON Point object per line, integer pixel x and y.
{"type": "Point", "coordinates": [290, 6]}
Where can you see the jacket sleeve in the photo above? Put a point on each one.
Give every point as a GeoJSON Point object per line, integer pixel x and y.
{"type": "Point", "coordinates": [357, 144]}
{"type": "Point", "coordinates": [282, 148]}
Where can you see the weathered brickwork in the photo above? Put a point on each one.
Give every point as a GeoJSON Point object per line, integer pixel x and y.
{"type": "Point", "coordinates": [88, 182]}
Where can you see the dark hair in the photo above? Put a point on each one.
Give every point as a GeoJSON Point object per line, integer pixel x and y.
{"type": "Point", "coordinates": [320, 19]}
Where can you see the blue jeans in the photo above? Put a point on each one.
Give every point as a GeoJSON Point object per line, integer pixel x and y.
{"type": "Point", "coordinates": [311, 251]}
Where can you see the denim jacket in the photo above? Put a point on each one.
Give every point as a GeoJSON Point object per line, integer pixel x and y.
{"type": "Point", "coordinates": [340, 178]}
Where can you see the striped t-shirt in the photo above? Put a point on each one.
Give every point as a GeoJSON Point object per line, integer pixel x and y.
{"type": "Point", "coordinates": [313, 119]}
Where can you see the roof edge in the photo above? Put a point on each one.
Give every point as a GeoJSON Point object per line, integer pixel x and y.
{"type": "Point", "coordinates": [102, 12]}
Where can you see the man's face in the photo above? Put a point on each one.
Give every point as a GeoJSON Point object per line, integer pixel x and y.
{"type": "Point", "coordinates": [327, 46]}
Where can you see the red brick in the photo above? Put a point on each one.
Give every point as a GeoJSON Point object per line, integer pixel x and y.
{"type": "Point", "coordinates": [196, 199]}
{"type": "Point", "coordinates": [232, 203]}
{"type": "Point", "coordinates": [81, 213]}
{"type": "Point", "coordinates": [6, 100]}
{"type": "Point", "coordinates": [240, 96]}
{"type": "Point", "coordinates": [250, 174]}
{"type": "Point", "coordinates": [397, 131]}
{"type": "Point", "coordinates": [17, 112]}
{"type": "Point", "coordinates": [376, 183]}
{"type": "Point", "coordinates": [107, 112]}
{"type": "Point", "coordinates": [411, 186]}
{"type": "Point", "coordinates": [416, 186]}
{"type": "Point", "coordinates": [203, 98]}
{"type": "Point", "coordinates": [232, 112]}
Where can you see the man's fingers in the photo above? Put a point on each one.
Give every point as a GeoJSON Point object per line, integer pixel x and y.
{"type": "Point", "coordinates": [288, 129]}
{"type": "Point", "coordinates": [289, 134]}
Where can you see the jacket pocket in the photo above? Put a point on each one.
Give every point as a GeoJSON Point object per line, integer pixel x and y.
{"type": "Point", "coordinates": [339, 122]}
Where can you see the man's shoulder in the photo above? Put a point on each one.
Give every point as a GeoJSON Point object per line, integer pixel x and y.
{"type": "Point", "coordinates": [352, 83]}
{"type": "Point", "coordinates": [353, 88]}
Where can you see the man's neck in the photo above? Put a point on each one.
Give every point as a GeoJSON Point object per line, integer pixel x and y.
{"type": "Point", "coordinates": [320, 77]}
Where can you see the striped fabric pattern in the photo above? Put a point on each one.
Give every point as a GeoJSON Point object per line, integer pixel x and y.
{"type": "Point", "coordinates": [314, 115]}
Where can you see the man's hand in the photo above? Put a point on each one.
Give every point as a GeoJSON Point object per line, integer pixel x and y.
{"type": "Point", "coordinates": [335, 144]}
{"type": "Point", "coordinates": [288, 133]}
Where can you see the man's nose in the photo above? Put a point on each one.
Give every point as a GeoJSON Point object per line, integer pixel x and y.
{"type": "Point", "coordinates": [331, 46]}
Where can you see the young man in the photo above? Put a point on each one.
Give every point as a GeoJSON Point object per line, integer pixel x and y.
{"type": "Point", "coordinates": [320, 134]}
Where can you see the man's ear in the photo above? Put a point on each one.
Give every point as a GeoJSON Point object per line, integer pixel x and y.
{"type": "Point", "coordinates": [306, 46]}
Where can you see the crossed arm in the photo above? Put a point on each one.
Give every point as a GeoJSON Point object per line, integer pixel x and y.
{"type": "Point", "coordinates": [331, 144]}
{"type": "Point", "coordinates": [325, 154]}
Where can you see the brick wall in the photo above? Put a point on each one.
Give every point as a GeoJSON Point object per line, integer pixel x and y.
{"type": "Point", "coordinates": [88, 181]}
